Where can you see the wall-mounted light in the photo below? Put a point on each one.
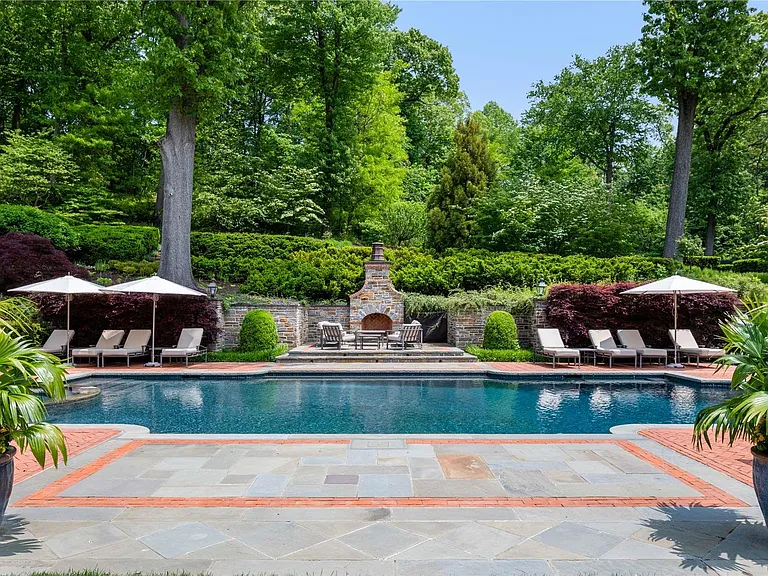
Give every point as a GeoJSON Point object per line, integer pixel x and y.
{"type": "Point", "coordinates": [212, 288]}
{"type": "Point", "coordinates": [541, 287]}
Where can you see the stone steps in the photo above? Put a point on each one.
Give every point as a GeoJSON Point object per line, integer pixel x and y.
{"type": "Point", "coordinates": [300, 358]}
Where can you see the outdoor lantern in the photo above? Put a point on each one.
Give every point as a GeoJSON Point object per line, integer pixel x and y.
{"type": "Point", "coordinates": [541, 287]}
{"type": "Point", "coordinates": [212, 288]}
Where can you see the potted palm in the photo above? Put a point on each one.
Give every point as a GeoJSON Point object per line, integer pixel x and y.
{"type": "Point", "coordinates": [23, 372]}
{"type": "Point", "coordinates": [745, 415]}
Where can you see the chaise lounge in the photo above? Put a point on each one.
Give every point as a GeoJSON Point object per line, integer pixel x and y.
{"type": "Point", "coordinates": [605, 347]}
{"type": "Point", "coordinates": [632, 340]}
{"type": "Point", "coordinates": [553, 347]}
{"type": "Point", "coordinates": [109, 340]}
{"type": "Point", "coordinates": [187, 347]}
{"type": "Point", "coordinates": [135, 345]}
{"type": "Point", "coordinates": [56, 343]}
{"type": "Point", "coordinates": [687, 346]}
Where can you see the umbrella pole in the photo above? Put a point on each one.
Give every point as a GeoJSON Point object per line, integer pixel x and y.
{"type": "Point", "coordinates": [154, 308]}
{"type": "Point", "coordinates": [676, 362]}
{"type": "Point", "coordinates": [69, 299]}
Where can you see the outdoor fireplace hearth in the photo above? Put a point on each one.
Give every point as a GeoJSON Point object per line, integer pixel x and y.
{"type": "Point", "coordinates": [377, 305]}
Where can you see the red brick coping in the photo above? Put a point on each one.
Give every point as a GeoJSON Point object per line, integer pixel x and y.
{"type": "Point", "coordinates": [735, 461]}
{"type": "Point", "coordinates": [50, 495]}
{"type": "Point", "coordinates": [78, 441]}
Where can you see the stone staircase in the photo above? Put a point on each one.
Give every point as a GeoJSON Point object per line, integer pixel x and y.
{"type": "Point", "coordinates": [309, 354]}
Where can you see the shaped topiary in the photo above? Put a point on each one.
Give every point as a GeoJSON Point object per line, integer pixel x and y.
{"type": "Point", "coordinates": [258, 331]}
{"type": "Point", "coordinates": [500, 332]}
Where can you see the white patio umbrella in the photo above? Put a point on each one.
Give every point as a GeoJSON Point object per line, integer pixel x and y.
{"type": "Point", "coordinates": [68, 285]}
{"type": "Point", "coordinates": [676, 285]}
{"type": "Point", "coordinates": [156, 286]}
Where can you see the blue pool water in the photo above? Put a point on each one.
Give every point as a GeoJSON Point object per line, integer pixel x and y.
{"type": "Point", "coordinates": [405, 405]}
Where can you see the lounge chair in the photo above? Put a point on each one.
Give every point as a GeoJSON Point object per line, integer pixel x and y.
{"type": "Point", "coordinates": [109, 340]}
{"type": "Point", "coordinates": [605, 346]}
{"type": "Point", "coordinates": [332, 334]}
{"type": "Point", "coordinates": [410, 335]}
{"type": "Point", "coordinates": [687, 346]}
{"type": "Point", "coordinates": [553, 347]}
{"type": "Point", "coordinates": [187, 347]}
{"type": "Point", "coordinates": [632, 340]}
{"type": "Point", "coordinates": [57, 342]}
{"type": "Point", "coordinates": [135, 345]}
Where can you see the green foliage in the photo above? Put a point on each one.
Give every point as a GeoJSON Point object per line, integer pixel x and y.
{"type": "Point", "coordinates": [513, 355]}
{"type": "Point", "coordinates": [518, 301]}
{"type": "Point", "coordinates": [690, 247]}
{"type": "Point", "coordinates": [23, 371]}
{"type": "Point", "coordinates": [101, 243]}
{"type": "Point", "coordinates": [34, 220]}
{"type": "Point", "coordinates": [466, 175]}
{"type": "Point", "coordinates": [221, 246]}
{"type": "Point", "coordinates": [400, 224]}
{"type": "Point", "coordinates": [249, 356]}
{"type": "Point", "coordinates": [500, 332]}
{"type": "Point", "coordinates": [745, 415]}
{"type": "Point", "coordinates": [141, 269]}
{"type": "Point", "coordinates": [748, 286]}
{"type": "Point", "coordinates": [258, 332]}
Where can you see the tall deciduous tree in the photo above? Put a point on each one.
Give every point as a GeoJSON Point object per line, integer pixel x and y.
{"type": "Point", "coordinates": [329, 52]}
{"type": "Point", "coordinates": [191, 57]}
{"type": "Point", "coordinates": [594, 110]}
{"type": "Point", "coordinates": [689, 51]}
{"type": "Point", "coordinates": [467, 174]}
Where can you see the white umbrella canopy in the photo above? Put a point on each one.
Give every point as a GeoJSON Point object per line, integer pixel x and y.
{"type": "Point", "coordinates": [157, 287]}
{"type": "Point", "coordinates": [676, 285]}
{"type": "Point", "coordinates": [68, 285]}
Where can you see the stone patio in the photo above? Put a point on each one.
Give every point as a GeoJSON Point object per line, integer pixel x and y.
{"type": "Point", "coordinates": [602, 504]}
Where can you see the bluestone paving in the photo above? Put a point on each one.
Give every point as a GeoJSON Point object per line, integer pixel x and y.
{"type": "Point", "coordinates": [382, 540]}
{"type": "Point", "coordinates": [579, 539]}
{"type": "Point", "coordinates": [480, 540]}
{"type": "Point", "coordinates": [183, 539]}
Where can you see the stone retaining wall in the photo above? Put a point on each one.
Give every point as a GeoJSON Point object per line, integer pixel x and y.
{"type": "Point", "coordinates": [338, 313]}
{"type": "Point", "coordinates": [467, 327]}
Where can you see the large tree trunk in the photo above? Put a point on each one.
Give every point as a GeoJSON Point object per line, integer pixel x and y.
{"type": "Point", "coordinates": [709, 248]}
{"type": "Point", "coordinates": [678, 196]}
{"type": "Point", "coordinates": [157, 217]}
{"type": "Point", "coordinates": [178, 151]}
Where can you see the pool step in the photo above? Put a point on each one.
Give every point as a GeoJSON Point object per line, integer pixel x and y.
{"type": "Point", "coordinates": [372, 358]}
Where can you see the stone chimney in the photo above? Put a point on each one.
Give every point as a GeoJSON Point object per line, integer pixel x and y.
{"type": "Point", "coordinates": [377, 296]}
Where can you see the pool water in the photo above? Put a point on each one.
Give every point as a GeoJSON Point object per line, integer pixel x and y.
{"type": "Point", "coordinates": [403, 405]}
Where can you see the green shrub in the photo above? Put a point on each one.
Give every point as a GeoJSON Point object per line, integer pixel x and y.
{"type": "Point", "coordinates": [258, 332]}
{"type": "Point", "coordinates": [102, 243]}
{"type": "Point", "coordinates": [500, 332]}
{"type": "Point", "coordinates": [515, 355]}
{"type": "Point", "coordinates": [140, 269]}
{"type": "Point", "coordinates": [750, 265]}
{"type": "Point", "coordinates": [702, 261]}
{"type": "Point", "coordinates": [244, 245]}
{"type": "Point", "coordinates": [30, 219]}
{"type": "Point", "coordinates": [248, 356]}
{"type": "Point", "coordinates": [748, 286]}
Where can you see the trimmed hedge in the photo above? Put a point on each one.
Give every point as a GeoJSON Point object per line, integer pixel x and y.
{"type": "Point", "coordinates": [26, 258]}
{"type": "Point", "coordinates": [515, 355]}
{"type": "Point", "coordinates": [258, 332]}
{"type": "Point", "coordinates": [577, 308]}
{"type": "Point", "coordinates": [253, 356]}
{"type": "Point", "coordinates": [15, 218]}
{"type": "Point", "coordinates": [500, 331]}
{"type": "Point", "coordinates": [244, 245]}
{"type": "Point", "coordinates": [103, 243]}
{"type": "Point", "coordinates": [750, 265]}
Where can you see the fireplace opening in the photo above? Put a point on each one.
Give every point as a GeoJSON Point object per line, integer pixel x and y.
{"type": "Point", "coordinates": [376, 322]}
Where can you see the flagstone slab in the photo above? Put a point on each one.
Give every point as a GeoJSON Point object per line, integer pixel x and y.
{"type": "Point", "coordinates": [183, 539]}
{"type": "Point", "coordinates": [464, 466]}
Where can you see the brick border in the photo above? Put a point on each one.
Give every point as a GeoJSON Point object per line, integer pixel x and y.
{"type": "Point", "coordinates": [711, 496]}
{"type": "Point", "coordinates": [78, 441]}
{"type": "Point", "coordinates": [722, 458]}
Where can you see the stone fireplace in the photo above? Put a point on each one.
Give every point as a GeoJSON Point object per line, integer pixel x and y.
{"type": "Point", "coordinates": [377, 305]}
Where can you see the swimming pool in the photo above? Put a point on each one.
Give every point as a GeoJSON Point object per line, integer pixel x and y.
{"type": "Point", "coordinates": [386, 405]}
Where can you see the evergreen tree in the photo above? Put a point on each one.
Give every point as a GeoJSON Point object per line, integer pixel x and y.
{"type": "Point", "coordinates": [467, 175]}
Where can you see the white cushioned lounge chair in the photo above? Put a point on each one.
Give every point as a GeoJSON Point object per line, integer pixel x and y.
{"type": "Point", "coordinates": [605, 347]}
{"type": "Point", "coordinates": [634, 341]}
{"type": "Point", "coordinates": [135, 345]}
{"type": "Point", "coordinates": [552, 346]}
{"type": "Point", "coordinates": [57, 342]}
{"type": "Point", "coordinates": [109, 340]}
{"type": "Point", "coordinates": [687, 346]}
{"type": "Point", "coordinates": [332, 334]}
{"type": "Point", "coordinates": [410, 335]}
{"type": "Point", "coordinates": [187, 347]}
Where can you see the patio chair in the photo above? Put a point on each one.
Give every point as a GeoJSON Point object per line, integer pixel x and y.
{"type": "Point", "coordinates": [687, 346]}
{"type": "Point", "coordinates": [187, 347]}
{"type": "Point", "coordinates": [135, 345]}
{"type": "Point", "coordinates": [334, 335]}
{"type": "Point", "coordinates": [410, 335]}
{"type": "Point", "coordinates": [109, 340]}
{"type": "Point", "coordinates": [632, 340]}
{"type": "Point", "coordinates": [605, 347]}
{"type": "Point", "coordinates": [552, 346]}
{"type": "Point", "coordinates": [57, 342]}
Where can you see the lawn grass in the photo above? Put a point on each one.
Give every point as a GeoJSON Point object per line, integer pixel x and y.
{"type": "Point", "coordinates": [488, 355]}
{"type": "Point", "coordinates": [251, 356]}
